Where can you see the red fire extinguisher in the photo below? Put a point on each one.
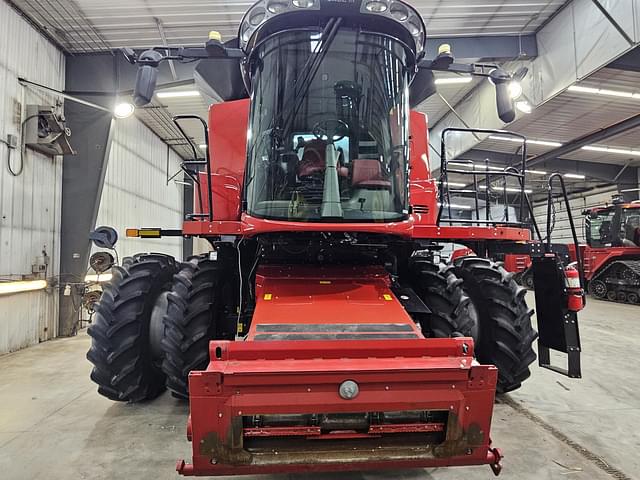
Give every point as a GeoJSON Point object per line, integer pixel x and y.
{"type": "Point", "coordinates": [575, 293]}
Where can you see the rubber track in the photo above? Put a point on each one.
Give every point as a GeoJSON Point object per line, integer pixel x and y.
{"type": "Point", "coordinates": [633, 265]}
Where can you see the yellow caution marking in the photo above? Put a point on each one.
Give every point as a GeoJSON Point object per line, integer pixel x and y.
{"type": "Point", "coordinates": [268, 296]}
{"type": "Point", "coordinates": [149, 233]}
{"type": "Point", "coordinates": [387, 297]}
{"type": "Point", "coordinates": [240, 328]}
{"type": "Point", "coordinates": [325, 282]}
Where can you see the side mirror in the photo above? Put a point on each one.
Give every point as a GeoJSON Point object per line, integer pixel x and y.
{"type": "Point", "coordinates": [147, 77]}
{"type": "Point", "coordinates": [504, 102]}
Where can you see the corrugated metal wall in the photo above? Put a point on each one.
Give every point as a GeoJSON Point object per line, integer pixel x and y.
{"type": "Point", "coordinates": [136, 193]}
{"type": "Point", "coordinates": [562, 230]}
{"type": "Point", "coordinates": [29, 203]}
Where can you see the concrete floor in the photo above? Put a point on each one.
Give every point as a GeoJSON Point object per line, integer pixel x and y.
{"type": "Point", "coordinates": [53, 424]}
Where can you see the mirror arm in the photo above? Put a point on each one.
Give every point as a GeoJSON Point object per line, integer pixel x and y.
{"type": "Point", "coordinates": [477, 69]}
{"type": "Point", "coordinates": [212, 50]}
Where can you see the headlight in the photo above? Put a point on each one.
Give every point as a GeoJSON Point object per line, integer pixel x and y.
{"type": "Point", "coordinates": [277, 6]}
{"type": "Point", "coordinates": [376, 6]}
{"type": "Point", "coordinates": [402, 13]}
{"type": "Point", "coordinates": [399, 11]}
{"type": "Point", "coordinates": [303, 3]}
{"type": "Point", "coordinates": [396, 10]}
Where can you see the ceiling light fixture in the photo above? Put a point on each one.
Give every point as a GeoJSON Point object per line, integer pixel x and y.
{"type": "Point", "coordinates": [103, 277]}
{"type": "Point", "coordinates": [22, 286]}
{"type": "Point", "coordinates": [178, 94]}
{"type": "Point", "coordinates": [621, 151]}
{"type": "Point", "coordinates": [123, 110]}
{"type": "Point", "coordinates": [575, 176]}
{"type": "Point", "coordinates": [603, 91]}
{"type": "Point", "coordinates": [515, 90]}
{"type": "Point", "coordinates": [544, 143]}
{"type": "Point", "coordinates": [453, 80]}
{"type": "Point", "coordinates": [536, 172]}
{"type": "Point", "coordinates": [477, 168]}
{"type": "Point", "coordinates": [509, 189]}
{"type": "Point", "coordinates": [455, 206]}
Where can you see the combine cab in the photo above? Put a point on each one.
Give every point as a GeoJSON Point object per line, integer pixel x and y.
{"type": "Point", "coordinates": [321, 332]}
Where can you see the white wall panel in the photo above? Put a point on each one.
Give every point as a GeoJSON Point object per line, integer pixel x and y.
{"type": "Point", "coordinates": [29, 203]}
{"type": "Point", "coordinates": [562, 230]}
{"type": "Point", "coordinates": [135, 192]}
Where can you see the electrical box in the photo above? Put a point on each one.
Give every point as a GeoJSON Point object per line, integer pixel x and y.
{"type": "Point", "coordinates": [45, 131]}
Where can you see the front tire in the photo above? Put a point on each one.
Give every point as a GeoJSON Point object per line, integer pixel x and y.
{"type": "Point", "coordinates": [124, 366]}
{"type": "Point", "coordinates": [452, 313]}
{"type": "Point", "coordinates": [506, 334]}
{"type": "Point", "coordinates": [190, 322]}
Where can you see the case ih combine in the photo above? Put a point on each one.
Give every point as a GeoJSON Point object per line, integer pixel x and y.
{"type": "Point", "coordinates": [319, 334]}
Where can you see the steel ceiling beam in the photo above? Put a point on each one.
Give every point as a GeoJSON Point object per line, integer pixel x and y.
{"type": "Point", "coordinates": [502, 47]}
{"type": "Point", "coordinates": [630, 123]}
{"type": "Point", "coordinates": [613, 22]}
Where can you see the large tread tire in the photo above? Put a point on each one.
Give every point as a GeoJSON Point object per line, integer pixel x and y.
{"type": "Point", "coordinates": [123, 365]}
{"type": "Point", "coordinates": [452, 313]}
{"type": "Point", "coordinates": [190, 322]}
{"type": "Point", "coordinates": [506, 333]}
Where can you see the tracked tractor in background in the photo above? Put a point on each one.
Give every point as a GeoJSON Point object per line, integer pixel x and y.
{"type": "Point", "coordinates": [320, 332]}
{"type": "Point", "coordinates": [611, 255]}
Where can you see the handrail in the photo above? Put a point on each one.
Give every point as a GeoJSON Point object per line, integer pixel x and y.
{"type": "Point", "coordinates": [571, 222]}
{"type": "Point", "coordinates": [207, 160]}
{"type": "Point", "coordinates": [444, 192]}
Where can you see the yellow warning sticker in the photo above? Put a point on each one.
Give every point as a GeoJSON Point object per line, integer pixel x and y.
{"type": "Point", "coordinates": [240, 328]}
{"type": "Point", "coordinates": [387, 297]}
{"type": "Point", "coordinates": [325, 282]}
{"type": "Point", "coordinates": [268, 296]}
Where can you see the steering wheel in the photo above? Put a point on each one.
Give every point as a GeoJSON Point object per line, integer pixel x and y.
{"type": "Point", "coordinates": [330, 130]}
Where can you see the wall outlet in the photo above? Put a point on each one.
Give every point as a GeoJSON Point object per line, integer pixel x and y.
{"type": "Point", "coordinates": [12, 140]}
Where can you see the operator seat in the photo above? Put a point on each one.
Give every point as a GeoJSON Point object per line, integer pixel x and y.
{"type": "Point", "coordinates": [314, 160]}
{"type": "Point", "coordinates": [367, 173]}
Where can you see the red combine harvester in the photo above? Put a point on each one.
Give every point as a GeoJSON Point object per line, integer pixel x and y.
{"type": "Point", "coordinates": [319, 334]}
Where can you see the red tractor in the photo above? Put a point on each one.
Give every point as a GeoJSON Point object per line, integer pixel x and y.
{"type": "Point", "coordinates": [319, 333]}
{"type": "Point", "coordinates": [611, 257]}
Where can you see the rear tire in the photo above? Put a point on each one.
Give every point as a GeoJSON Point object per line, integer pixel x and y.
{"type": "Point", "coordinates": [124, 366]}
{"type": "Point", "coordinates": [440, 289]}
{"type": "Point", "coordinates": [190, 322]}
{"type": "Point", "coordinates": [506, 333]}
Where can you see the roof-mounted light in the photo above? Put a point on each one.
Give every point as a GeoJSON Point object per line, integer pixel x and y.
{"type": "Point", "coordinates": [401, 13]}
{"type": "Point", "coordinates": [303, 3]}
{"type": "Point", "coordinates": [264, 10]}
{"type": "Point", "coordinates": [396, 10]}
{"type": "Point", "coordinates": [376, 6]}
